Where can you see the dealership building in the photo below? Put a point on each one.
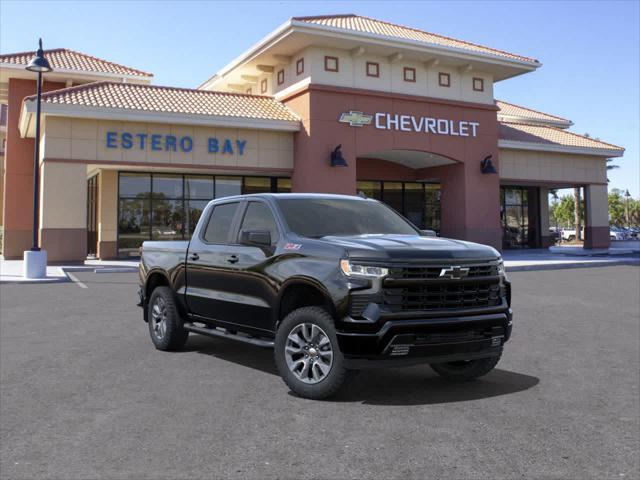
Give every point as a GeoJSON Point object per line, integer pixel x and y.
{"type": "Point", "coordinates": [341, 104]}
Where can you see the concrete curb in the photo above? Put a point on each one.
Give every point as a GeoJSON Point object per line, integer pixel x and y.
{"type": "Point", "coordinates": [115, 270]}
{"type": "Point", "coordinates": [564, 266]}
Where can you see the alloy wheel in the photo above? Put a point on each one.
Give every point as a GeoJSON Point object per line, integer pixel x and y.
{"type": "Point", "coordinates": [309, 353]}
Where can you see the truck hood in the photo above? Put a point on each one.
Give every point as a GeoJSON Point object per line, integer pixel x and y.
{"type": "Point", "coordinates": [410, 247]}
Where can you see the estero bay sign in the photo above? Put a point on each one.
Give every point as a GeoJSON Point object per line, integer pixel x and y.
{"type": "Point", "coordinates": [411, 123]}
{"type": "Point", "coordinates": [171, 143]}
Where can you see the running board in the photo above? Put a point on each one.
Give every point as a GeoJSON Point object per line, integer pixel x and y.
{"type": "Point", "coordinates": [213, 332]}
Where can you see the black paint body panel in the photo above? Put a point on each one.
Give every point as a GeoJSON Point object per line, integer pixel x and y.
{"type": "Point", "coordinates": [241, 287]}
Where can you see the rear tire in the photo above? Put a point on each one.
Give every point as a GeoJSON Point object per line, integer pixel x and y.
{"type": "Point", "coordinates": [467, 370]}
{"type": "Point", "coordinates": [165, 322]}
{"type": "Point", "coordinates": [307, 353]}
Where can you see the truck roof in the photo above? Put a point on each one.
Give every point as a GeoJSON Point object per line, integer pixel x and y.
{"type": "Point", "coordinates": [296, 195]}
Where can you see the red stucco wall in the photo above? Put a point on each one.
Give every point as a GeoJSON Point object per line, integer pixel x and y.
{"type": "Point", "coordinates": [470, 200]}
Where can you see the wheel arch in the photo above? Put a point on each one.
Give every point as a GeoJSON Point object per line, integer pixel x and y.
{"type": "Point", "coordinates": [301, 292]}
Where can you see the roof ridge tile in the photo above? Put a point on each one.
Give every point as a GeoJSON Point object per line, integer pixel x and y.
{"type": "Point", "coordinates": [533, 110]}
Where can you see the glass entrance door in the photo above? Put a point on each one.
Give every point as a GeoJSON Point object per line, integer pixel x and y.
{"type": "Point", "coordinates": [92, 216]}
{"type": "Point", "coordinates": [519, 217]}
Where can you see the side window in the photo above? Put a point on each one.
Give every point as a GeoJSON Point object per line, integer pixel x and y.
{"type": "Point", "coordinates": [259, 217]}
{"type": "Point", "coordinates": [217, 230]}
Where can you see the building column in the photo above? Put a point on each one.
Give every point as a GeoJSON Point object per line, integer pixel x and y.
{"type": "Point", "coordinates": [546, 239]}
{"type": "Point", "coordinates": [63, 211]}
{"type": "Point", "coordinates": [470, 204]}
{"type": "Point", "coordinates": [18, 173]}
{"type": "Point", "coordinates": [312, 170]}
{"type": "Point", "coordinates": [596, 216]}
{"type": "Point", "coordinates": [108, 214]}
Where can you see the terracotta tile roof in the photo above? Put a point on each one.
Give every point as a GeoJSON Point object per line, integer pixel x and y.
{"type": "Point", "coordinates": [513, 110]}
{"type": "Point", "coordinates": [370, 25]}
{"type": "Point", "coordinates": [517, 132]}
{"type": "Point", "coordinates": [65, 59]}
{"type": "Point", "coordinates": [151, 98]}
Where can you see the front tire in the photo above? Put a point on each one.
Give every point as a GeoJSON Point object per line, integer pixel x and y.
{"type": "Point", "coordinates": [465, 371]}
{"type": "Point", "coordinates": [165, 322]}
{"type": "Point", "coordinates": [307, 353]}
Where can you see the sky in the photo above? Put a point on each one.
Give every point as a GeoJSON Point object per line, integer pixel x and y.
{"type": "Point", "coordinates": [590, 51]}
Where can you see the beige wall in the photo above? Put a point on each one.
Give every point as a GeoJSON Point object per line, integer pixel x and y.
{"type": "Point", "coordinates": [63, 195]}
{"type": "Point", "coordinates": [80, 139]}
{"type": "Point", "coordinates": [551, 167]}
{"type": "Point", "coordinates": [108, 206]}
{"type": "Point", "coordinates": [352, 73]}
{"type": "Point", "coordinates": [597, 212]}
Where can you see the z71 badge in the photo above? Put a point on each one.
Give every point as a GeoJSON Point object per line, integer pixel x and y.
{"type": "Point", "coordinates": [292, 246]}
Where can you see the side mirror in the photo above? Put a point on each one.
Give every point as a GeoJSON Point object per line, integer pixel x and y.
{"type": "Point", "coordinates": [428, 233]}
{"type": "Point", "coordinates": [258, 238]}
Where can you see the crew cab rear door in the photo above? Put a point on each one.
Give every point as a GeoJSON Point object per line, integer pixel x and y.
{"type": "Point", "coordinates": [210, 264]}
{"type": "Point", "coordinates": [250, 286]}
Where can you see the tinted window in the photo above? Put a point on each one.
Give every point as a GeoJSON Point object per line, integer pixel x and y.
{"type": "Point", "coordinates": [259, 217]}
{"type": "Point", "coordinates": [220, 223]}
{"type": "Point", "coordinates": [318, 217]}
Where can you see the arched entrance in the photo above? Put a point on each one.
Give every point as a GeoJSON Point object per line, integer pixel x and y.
{"type": "Point", "coordinates": [406, 181]}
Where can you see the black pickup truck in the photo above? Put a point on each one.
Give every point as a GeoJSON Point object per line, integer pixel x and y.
{"type": "Point", "coordinates": [333, 283]}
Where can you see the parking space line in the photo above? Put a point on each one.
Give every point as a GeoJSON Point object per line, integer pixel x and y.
{"type": "Point", "coordinates": [75, 280]}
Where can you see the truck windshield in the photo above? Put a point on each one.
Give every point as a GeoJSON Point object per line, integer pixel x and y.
{"type": "Point", "coordinates": [320, 217]}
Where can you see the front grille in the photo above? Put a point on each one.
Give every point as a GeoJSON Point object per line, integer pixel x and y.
{"type": "Point", "coordinates": [442, 295]}
{"type": "Point", "coordinates": [433, 272]}
{"type": "Point", "coordinates": [421, 288]}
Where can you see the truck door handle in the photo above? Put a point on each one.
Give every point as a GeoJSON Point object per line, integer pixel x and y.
{"type": "Point", "coordinates": [233, 259]}
{"type": "Point", "coordinates": [194, 256]}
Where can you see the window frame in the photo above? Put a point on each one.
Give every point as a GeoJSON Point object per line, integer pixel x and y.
{"type": "Point", "coordinates": [377, 67]}
{"type": "Point", "coordinates": [480, 82]}
{"type": "Point", "coordinates": [407, 70]}
{"type": "Point", "coordinates": [444, 75]}
{"type": "Point", "coordinates": [328, 58]}
{"type": "Point", "coordinates": [300, 66]}
{"type": "Point", "coordinates": [264, 85]}
{"type": "Point", "coordinates": [280, 76]}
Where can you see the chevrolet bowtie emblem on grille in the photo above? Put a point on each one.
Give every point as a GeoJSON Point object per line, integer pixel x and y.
{"type": "Point", "coordinates": [454, 273]}
{"type": "Point", "coordinates": [356, 119]}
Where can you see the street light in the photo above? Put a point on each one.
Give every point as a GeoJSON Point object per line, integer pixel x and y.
{"type": "Point", "coordinates": [626, 208]}
{"type": "Point", "coordinates": [35, 260]}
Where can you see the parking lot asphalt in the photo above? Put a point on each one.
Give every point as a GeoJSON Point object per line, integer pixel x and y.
{"type": "Point", "coordinates": [84, 395]}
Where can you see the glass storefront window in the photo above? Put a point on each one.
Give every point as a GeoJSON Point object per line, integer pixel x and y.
{"type": "Point", "coordinates": [168, 206]}
{"type": "Point", "coordinates": [256, 185]}
{"type": "Point", "coordinates": [193, 211]}
{"type": "Point", "coordinates": [419, 202]}
{"type": "Point", "coordinates": [414, 203]}
{"type": "Point", "coordinates": [392, 195]}
{"type": "Point", "coordinates": [228, 186]}
{"type": "Point", "coordinates": [283, 185]}
{"type": "Point", "coordinates": [133, 225]}
{"type": "Point", "coordinates": [519, 219]}
{"type": "Point", "coordinates": [370, 189]}
{"type": "Point", "coordinates": [168, 219]}
{"type": "Point", "coordinates": [135, 185]}
{"type": "Point", "coordinates": [198, 187]}
{"type": "Point", "coordinates": [167, 186]}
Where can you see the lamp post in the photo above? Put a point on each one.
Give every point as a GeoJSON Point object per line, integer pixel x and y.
{"type": "Point", "coordinates": [626, 208]}
{"type": "Point", "coordinates": [35, 260]}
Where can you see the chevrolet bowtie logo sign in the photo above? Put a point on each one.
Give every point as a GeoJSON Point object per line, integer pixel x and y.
{"type": "Point", "coordinates": [355, 119]}
{"type": "Point", "coordinates": [454, 273]}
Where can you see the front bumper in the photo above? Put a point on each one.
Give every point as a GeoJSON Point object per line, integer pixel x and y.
{"type": "Point", "coordinates": [427, 340]}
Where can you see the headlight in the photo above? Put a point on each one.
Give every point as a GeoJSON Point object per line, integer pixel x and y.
{"type": "Point", "coordinates": [355, 270]}
{"type": "Point", "coordinates": [501, 270]}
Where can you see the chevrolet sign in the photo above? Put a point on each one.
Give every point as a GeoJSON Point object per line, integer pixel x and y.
{"type": "Point", "coordinates": [454, 273]}
{"type": "Point", "coordinates": [355, 119]}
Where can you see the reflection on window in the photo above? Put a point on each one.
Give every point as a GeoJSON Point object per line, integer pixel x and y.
{"type": "Point", "coordinates": [257, 185]}
{"type": "Point", "coordinates": [168, 206]}
{"type": "Point", "coordinates": [228, 186]}
{"type": "Point", "coordinates": [284, 185]}
{"type": "Point", "coordinates": [418, 202]}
